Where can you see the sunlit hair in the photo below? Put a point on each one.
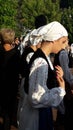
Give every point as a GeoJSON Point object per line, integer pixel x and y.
{"type": "Point", "coordinates": [7, 35]}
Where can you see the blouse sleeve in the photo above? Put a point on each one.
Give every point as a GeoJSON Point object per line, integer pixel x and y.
{"type": "Point", "coordinates": [39, 94]}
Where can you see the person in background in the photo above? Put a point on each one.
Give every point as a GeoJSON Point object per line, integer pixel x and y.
{"type": "Point", "coordinates": [71, 56]}
{"type": "Point", "coordinates": [40, 20]}
{"type": "Point", "coordinates": [41, 96]}
{"type": "Point", "coordinates": [24, 61]}
{"type": "Point", "coordinates": [65, 114]}
{"type": "Point", "coordinates": [29, 49]}
{"type": "Point", "coordinates": [72, 49]}
{"type": "Point", "coordinates": [9, 78]}
{"type": "Point", "coordinates": [16, 41]}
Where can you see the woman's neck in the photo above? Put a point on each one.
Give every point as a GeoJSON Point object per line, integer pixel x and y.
{"type": "Point", "coordinates": [46, 48]}
{"type": "Point", "coordinates": [33, 47]}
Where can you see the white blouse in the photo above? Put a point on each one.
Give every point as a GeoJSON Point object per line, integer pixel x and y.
{"type": "Point", "coordinates": [39, 94]}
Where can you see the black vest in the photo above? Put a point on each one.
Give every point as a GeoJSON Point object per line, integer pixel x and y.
{"type": "Point", "coordinates": [51, 80]}
{"type": "Point", "coordinates": [23, 62]}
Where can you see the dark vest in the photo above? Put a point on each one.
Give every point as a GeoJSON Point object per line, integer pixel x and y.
{"type": "Point", "coordinates": [23, 62]}
{"type": "Point", "coordinates": [51, 80]}
{"type": "Point", "coordinates": [56, 59]}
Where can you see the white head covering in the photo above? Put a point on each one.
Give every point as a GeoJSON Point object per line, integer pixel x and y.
{"type": "Point", "coordinates": [50, 32]}
{"type": "Point", "coordinates": [29, 38]}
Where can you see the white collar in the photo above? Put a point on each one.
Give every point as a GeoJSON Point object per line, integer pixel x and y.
{"type": "Point", "coordinates": [50, 63]}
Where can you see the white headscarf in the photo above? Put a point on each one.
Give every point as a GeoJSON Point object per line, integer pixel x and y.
{"type": "Point", "coordinates": [50, 32]}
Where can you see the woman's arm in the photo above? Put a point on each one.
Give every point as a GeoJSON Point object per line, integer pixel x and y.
{"type": "Point", "coordinates": [39, 94]}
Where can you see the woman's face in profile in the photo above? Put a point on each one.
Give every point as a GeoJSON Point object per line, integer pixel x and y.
{"type": "Point", "coordinates": [60, 44]}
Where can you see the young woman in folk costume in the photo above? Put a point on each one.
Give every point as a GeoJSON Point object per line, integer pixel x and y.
{"type": "Point", "coordinates": [41, 96]}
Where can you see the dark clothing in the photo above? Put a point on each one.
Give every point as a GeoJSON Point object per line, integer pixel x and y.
{"type": "Point", "coordinates": [56, 59]}
{"type": "Point", "coordinates": [70, 60]}
{"type": "Point", "coordinates": [45, 119]}
{"type": "Point", "coordinates": [23, 72]}
{"type": "Point", "coordinates": [51, 80]}
{"type": "Point", "coordinates": [23, 62]}
{"type": "Point", "coordinates": [9, 79]}
{"type": "Point", "coordinates": [68, 102]}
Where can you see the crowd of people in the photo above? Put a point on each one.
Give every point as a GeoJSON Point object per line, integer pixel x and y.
{"type": "Point", "coordinates": [32, 85]}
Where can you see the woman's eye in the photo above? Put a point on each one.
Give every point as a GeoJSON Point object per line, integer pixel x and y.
{"type": "Point", "coordinates": [66, 41]}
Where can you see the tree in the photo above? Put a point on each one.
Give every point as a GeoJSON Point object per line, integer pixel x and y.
{"type": "Point", "coordinates": [8, 13]}
{"type": "Point", "coordinates": [67, 21]}
{"type": "Point", "coordinates": [66, 3]}
{"type": "Point", "coordinates": [70, 3]}
{"type": "Point", "coordinates": [20, 14]}
{"type": "Point", "coordinates": [32, 8]}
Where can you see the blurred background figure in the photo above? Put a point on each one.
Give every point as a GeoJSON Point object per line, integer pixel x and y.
{"type": "Point", "coordinates": [65, 109]}
{"type": "Point", "coordinates": [72, 49]}
{"type": "Point", "coordinates": [9, 78]}
{"type": "Point", "coordinates": [71, 56]}
{"type": "Point", "coordinates": [29, 47]}
{"type": "Point", "coordinates": [40, 20]}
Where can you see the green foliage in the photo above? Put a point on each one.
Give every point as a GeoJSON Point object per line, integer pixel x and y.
{"type": "Point", "coordinates": [67, 21]}
{"type": "Point", "coordinates": [8, 12]}
{"type": "Point", "coordinates": [30, 9]}
{"type": "Point", "coordinates": [70, 3]}
{"type": "Point", "coordinates": [20, 14]}
{"type": "Point", "coordinates": [53, 10]}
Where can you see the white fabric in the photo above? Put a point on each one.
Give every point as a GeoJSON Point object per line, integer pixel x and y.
{"type": "Point", "coordinates": [50, 32]}
{"type": "Point", "coordinates": [29, 56]}
{"type": "Point", "coordinates": [72, 48]}
{"type": "Point", "coordinates": [50, 63]}
{"type": "Point", "coordinates": [28, 40]}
